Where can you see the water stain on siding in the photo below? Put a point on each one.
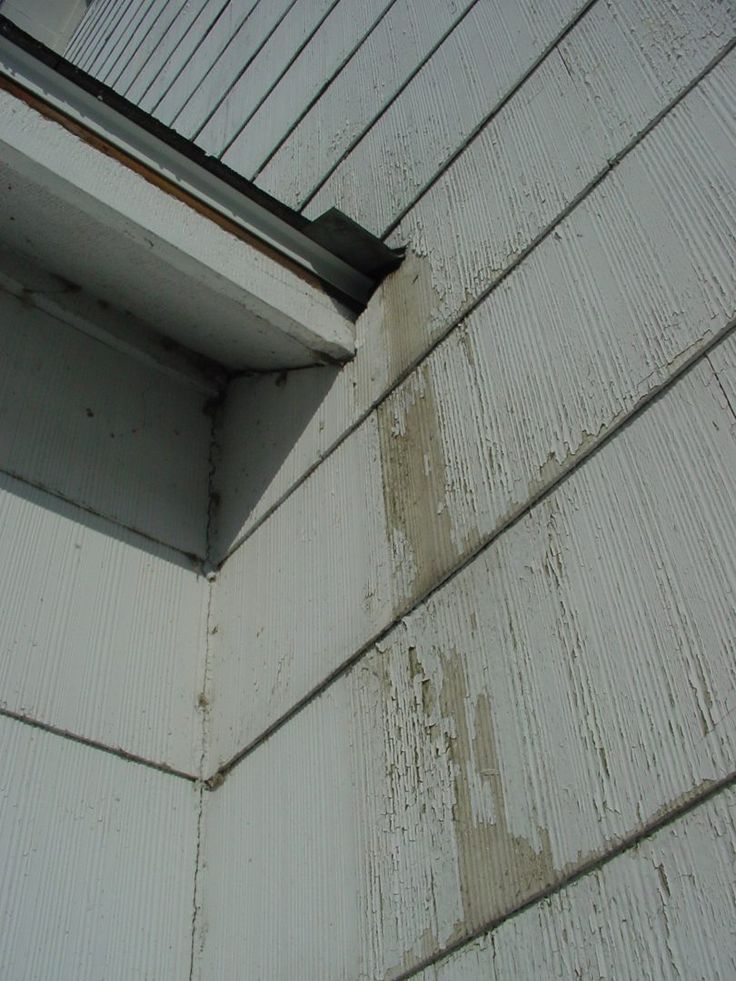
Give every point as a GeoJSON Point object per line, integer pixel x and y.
{"type": "Point", "coordinates": [414, 487]}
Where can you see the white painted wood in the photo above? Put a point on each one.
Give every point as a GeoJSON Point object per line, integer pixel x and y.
{"type": "Point", "coordinates": [723, 362]}
{"type": "Point", "coordinates": [110, 34]}
{"type": "Point", "coordinates": [220, 74]}
{"type": "Point", "coordinates": [293, 866]}
{"type": "Point", "coordinates": [85, 27]}
{"type": "Point", "coordinates": [588, 303]}
{"type": "Point", "coordinates": [572, 685]}
{"type": "Point", "coordinates": [102, 632]}
{"type": "Point", "coordinates": [663, 910]}
{"type": "Point", "coordinates": [119, 49]}
{"type": "Point", "coordinates": [170, 54]}
{"type": "Point", "coordinates": [97, 857]}
{"type": "Point", "coordinates": [100, 17]}
{"type": "Point", "coordinates": [551, 140]}
{"type": "Point", "coordinates": [243, 95]}
{"type": "Point", "coordinates": [51, 24]}
{"type": "Point", "coordinates": [151, 32]}
{"type": "Point", "coordinates": [229, 17]}
{"type": "Point", "coordinates": [101, 429]}
{"type": "Point", "coordinates": [349, 29]}
{"type": "Point", "coordinates": [327, 558]}
{"type": "Point", "coordinates": [392, 53]}
{"type": "Point", "coordinates": [155, 254]}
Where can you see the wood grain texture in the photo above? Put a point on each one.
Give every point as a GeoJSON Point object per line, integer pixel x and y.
{"type": "Point", "coordinates": [597, 300]}
{"type": "Point", "coordinates": [299, 595]}
{"type": "Point", "coordinates": [101, 429]}
{"type": "Point", "coordinates": [595, 636]}
{"type": "Point", "coordinates": [102, 633]}
{"type": "Point", "coordinates": [246, 70]}
{"type": "Point", "coordinates": [609, 77]}
{"type": "Point", "coordinates": [271, 821]}
{"type": "Point", "coordinates": [171, 53]}
{"type": "Point", "coordinates": [663, 910]}
{"type": "Point", "coordinates": [97, 858]}
{"type": "Point", "coordinates": [226, 48]}
{"type": "Point", "coordinates": [403, 36]}
{"type": "Point", "coordinates": [444, 104]}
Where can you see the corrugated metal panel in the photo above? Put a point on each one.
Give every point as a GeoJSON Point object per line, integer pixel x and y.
{"type": "Point", "coordinates": [102, 632]}
{"type": "Point", "coordinates": [97, 863]}
{"type": "Point", "coordinates": [99, 428]}
{"type": "Point", "coordinates": [663, 910]}
{"type": "Point", "coordinates": [571, 687]}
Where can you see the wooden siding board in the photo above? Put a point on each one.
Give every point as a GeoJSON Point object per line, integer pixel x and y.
{"type": "Point", "coordinates": [616, 66]}
{"type": "Point", "coordinates": [230, 26]}
{"type": "Point", "coordinates": [214, 107]}
{"type": "Point", "coordinates": [326, 558]}
{"type": "Point", "coordinates": [103, 633]}
{"type": "Point", "coordinates": [112, 35]}
{"type": "Point", "coordinates": [99, 428]}
{"type": "Point", "coordinates": [305, 26]}
{"type": "Point", "coordinates": [98, 865]}
{"type": "Point", "coordinates": [380, 56]}
{"type": "Point", "coordinates": [662, 910]}
{"type": "Point", "coordinates": [249, 927]}
{"type": "Point", "coordinates": [151, 34]}
{"type": "Point", "coordinates": [595, 635]}
{"type": "Point", "coordinates": [171, 53]}
{"type": "Point", "coordinates": [418, 302]}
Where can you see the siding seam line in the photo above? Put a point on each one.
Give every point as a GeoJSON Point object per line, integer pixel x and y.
{"type": "Point", "coordinates": [723, 390]}
{"type": "Point", "coordinates": [90, 743]}
{"type": "Point", "coordinates": [288, 65]}
{"type": "Point", "coordinates": [196, 560]}
{"type": "Point", "coordinates": [360, 136]}
{"type": "Point", "coordinates": [473, 304]}
{"type": "Point", "coordinates": [577, 461]}
{"type": "Point", "coordinates": [326, 85]}
{"type": "Point", "coordinates": [487, 120]}
{"type": "Point", "coordinates": [620, 847]}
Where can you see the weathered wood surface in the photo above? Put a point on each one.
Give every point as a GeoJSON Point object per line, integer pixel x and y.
{"type": "Point", "coordinates": [663, 910]}
{"type": "Point", "coordinates": [634, 283]}
{"type": "Point", "coordinates": [402, 37]}
{"type": "Point", "coordinates": [466, 235]}
{"type": "Point", "coordinates": [569, 688]}
{"type": "Point", "coordinates": [102, 633]}
{"type": "Point", "coordinates": [98, 863]}
{"type": "Point", "coordinates": [478, 63]}
{"type": "Point", "coordinates": [99, 428]}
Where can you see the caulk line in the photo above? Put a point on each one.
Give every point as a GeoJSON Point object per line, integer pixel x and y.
{"type": "Point", "coordinates": [623, 845]}
{"type": "Point", "coordinates": [473, 304]}
{"type": "Point", "coordinates": [117, 751]}
{"type": "Point", "coordinates": [484, 544]}
{"type": "Point", "coordinates": [196, 561]}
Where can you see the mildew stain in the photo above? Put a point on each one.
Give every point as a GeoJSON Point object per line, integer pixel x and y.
{"type": "Point", "coordinates": [414, 486]}
{"type": "Point", "coordinates": [410, 298]}
{"type": "Point", "coordinates": [497, 868]}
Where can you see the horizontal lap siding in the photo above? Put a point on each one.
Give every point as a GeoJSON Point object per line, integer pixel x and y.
{"type": "Point", "coordinates": [399, 41]}
{"type": "Point", "coordinates": [103, 633]}
{"type": "Point", "coordinates": [569, 688]}
{"type": "Point", "coordinates": [469, 230]}
{"type": "Point", "coordinates": [98, 863]}
{"type": "Point", "coordinates": [100, 428]}
{"type": "Point", "coordinates": [678, 882]}
{"type": "Point", "coordinates": [480, 60]}
{"type": "Point", "coordinates": [635, 282]}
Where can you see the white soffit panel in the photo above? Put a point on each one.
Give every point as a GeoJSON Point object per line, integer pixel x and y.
{"type": "Point", "coordinates": [88, 213]}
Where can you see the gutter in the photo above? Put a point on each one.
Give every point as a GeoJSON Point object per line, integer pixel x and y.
{"type": "Point", "coordinates": [346, 260]}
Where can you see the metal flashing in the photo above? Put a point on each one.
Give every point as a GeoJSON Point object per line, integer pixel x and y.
{"type": "Point", "coordinates": [349, 263]}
